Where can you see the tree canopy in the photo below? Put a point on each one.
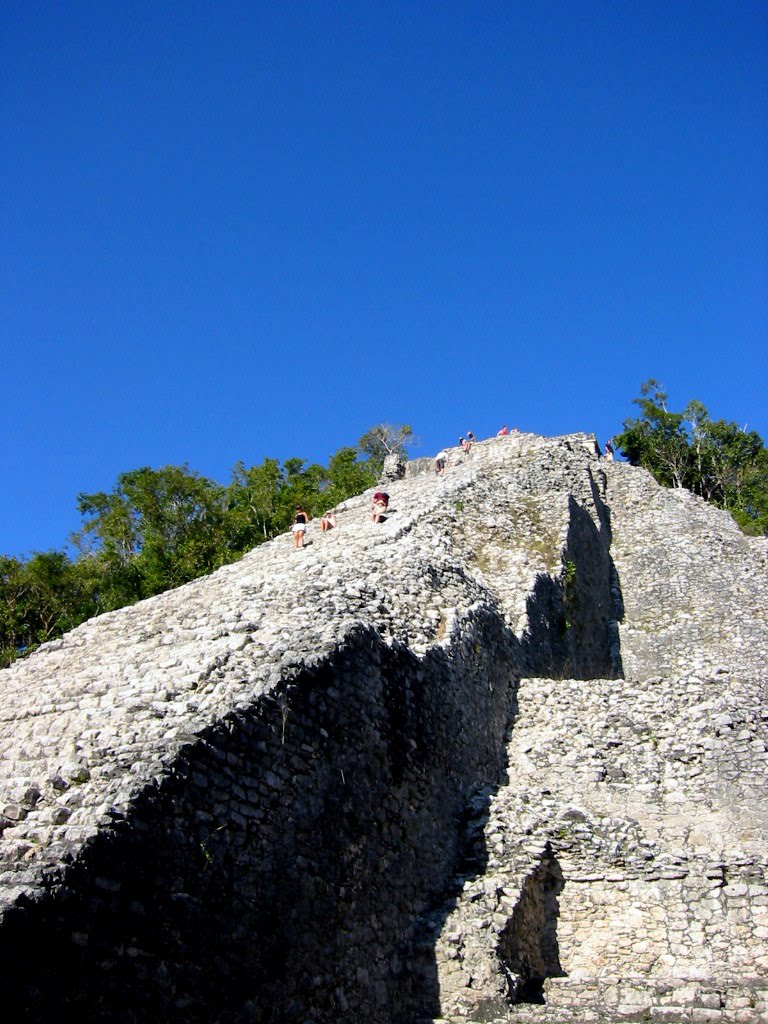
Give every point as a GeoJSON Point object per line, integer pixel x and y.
{"type": "Point", "coordinates": [718, 460]}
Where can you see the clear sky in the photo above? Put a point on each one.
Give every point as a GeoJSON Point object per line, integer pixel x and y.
{"type": "Point", "coordinates": [233, 230]}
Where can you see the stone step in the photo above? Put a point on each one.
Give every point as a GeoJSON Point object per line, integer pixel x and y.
{"type": "Point", "coordinates": [657, 1000]}
{"type": "Point", "coordinates": [643, 1000]}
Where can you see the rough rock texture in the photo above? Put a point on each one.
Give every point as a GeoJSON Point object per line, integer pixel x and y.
{"type": "Point", "coordinates": [635, 809]}
{"type": "Point", "coordinates": [501, 757]}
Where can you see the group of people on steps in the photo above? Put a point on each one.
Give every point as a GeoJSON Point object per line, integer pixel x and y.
{"type": "Point", "coordinates": [380, 500]}
{"type": "Point", "coordinates": [465, 443]}
{"type": "Point", "coordinates": [301, 520]}
{"type": "Point", "coordinates": [379, 506]}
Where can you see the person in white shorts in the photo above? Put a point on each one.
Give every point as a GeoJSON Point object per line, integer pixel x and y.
{"type": "Point", "coordinates": [299, 527]}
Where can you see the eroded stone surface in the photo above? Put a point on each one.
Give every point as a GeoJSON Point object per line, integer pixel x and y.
{"type": "Point", "coordinates": [398, 774]}
{"type": "Point", "coordinates": [645, 794]}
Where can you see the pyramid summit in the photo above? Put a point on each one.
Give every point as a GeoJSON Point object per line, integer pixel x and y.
{"type": "Point", "coordinates": [501, 757]}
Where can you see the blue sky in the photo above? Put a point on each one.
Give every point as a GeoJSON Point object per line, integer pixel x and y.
{"type": "Point", "coordinates": [237, 230]}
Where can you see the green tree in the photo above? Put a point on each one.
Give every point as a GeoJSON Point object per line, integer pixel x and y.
{"type": "Point", "coordinates": [657, 440]}
{"type": "Point", "coordinates": [734, 473]}
{"type": "Point", "coordinates": [163, 526]}
{"type": "Point", "coordinates": [14, 609]}
{"type": "Point", "coordinates": [51, 590]}
{"type": "Point", "coordinates": [348, 475]}
{"type": "Point", "coordinates": [302, 484]}
{"type": "Point", "coordinates": [713, 458]}
{"type": "Point", "coordinates": [40, 598]}
{"type": "Point", "coordinates": [252, 503]}
{"type": "Point", "coordinates": [261, 500]}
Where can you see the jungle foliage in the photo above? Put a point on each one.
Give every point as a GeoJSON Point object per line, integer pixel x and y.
{"type": "Point", "coordinates": [720, 461]}
{"type": "Point", "coordinates": [159, 528]}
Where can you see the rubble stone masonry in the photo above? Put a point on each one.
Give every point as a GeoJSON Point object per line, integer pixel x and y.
{"type": "Point", "coordinates": [499, 758]}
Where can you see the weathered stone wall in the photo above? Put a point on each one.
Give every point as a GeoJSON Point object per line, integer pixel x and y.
{"type": "Point", "coordinates": [399, 775]}
{"type": "Point", "coordinates": [644, 799]}
{"type": "Point", "coordinates": [283, 860]}
{"type": "Point", "coordinates": [647, 803]}
{"type": "Point", "coordinates": [693, 586]}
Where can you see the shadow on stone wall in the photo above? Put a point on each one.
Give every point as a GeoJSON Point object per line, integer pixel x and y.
{"type": "Point", "coordinates": [572, 620]}
{"type": "Point", "coordinates": [283, 870]}
{"type": "Point", "coordinates": [551, 648]}
{"type": "Point", "coordinates": [278, 873]}
{"type": "Point", "coordinates": [528, 945]}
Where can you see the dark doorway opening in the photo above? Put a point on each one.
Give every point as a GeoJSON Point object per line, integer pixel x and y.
{"type": "Point", "coordinates": [529, 947]}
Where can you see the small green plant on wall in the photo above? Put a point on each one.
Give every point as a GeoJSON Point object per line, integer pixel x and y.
{"type": "Point", "coordinates": [570, 596]}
